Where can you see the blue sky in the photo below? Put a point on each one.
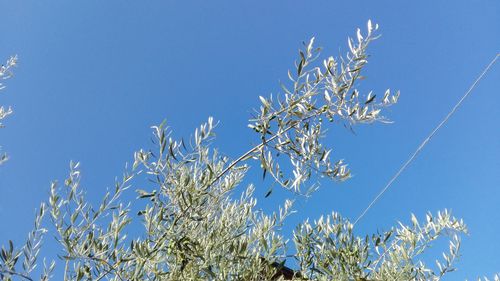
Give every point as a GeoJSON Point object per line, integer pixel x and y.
{"type": "Point", "coordinates": [94, 76]}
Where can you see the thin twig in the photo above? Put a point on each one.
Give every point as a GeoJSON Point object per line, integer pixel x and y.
{"type": "Point", "coordinates": [3, 271]}
{"type": "Point", "coordinates": [252, 150]}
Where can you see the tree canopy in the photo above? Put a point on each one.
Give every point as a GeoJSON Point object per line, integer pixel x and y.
{"type": "Point", "coordinates": [200, 223]}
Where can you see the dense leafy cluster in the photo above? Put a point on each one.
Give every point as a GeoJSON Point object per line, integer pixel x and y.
{"type": "Point", "coordinates": [291, 124]}
{"type": "Point", "coordinates": [199, 224]}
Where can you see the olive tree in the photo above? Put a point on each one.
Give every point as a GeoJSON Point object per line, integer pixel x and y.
{"type": "Point", "coordinates": [200, 223]}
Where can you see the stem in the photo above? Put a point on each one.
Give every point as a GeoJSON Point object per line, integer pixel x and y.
{"type": "Point", "coordinates": [252, 150]}
{"type": "Point", "coordinates": [16, 273]}
{"type": "Point", "coordinates": [259, 146]}
{"type": "Point", "coordinates": [66, 269]}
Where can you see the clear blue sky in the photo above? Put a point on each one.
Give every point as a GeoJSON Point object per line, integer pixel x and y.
{"type": "Point", "coordinates": [94, 75]}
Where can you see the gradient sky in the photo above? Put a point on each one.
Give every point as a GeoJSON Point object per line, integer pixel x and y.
{"type": "Point", "coordinates": [93, 76]}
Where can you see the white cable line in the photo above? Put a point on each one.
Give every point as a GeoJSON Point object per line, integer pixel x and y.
{"type": "Point", "coordinates": [414, 155]}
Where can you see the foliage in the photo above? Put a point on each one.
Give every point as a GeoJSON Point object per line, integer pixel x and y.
{"type": "Point", "coordinates": [197, 223]}
{"type": "Point", "coordinates": [5, 73]}
{"type": "Point", "coordinates": [292, 124]}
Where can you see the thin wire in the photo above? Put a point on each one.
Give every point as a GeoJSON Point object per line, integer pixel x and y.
{"type": "Point", "coordinates": [414, 155]}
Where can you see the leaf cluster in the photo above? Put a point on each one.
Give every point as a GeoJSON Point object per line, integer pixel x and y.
{"type": "Point", "coordinates": [292, 123]}
{"type": "Point", "coordinates": [6, 73]}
